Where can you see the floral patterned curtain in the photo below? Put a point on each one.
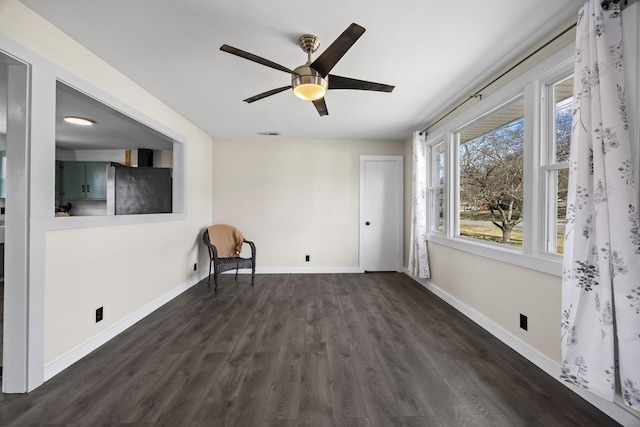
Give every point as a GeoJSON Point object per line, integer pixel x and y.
{"type": "Point", "coordinates": [601, 266]}
{"type": "Point", "coordinates": [418, 257]}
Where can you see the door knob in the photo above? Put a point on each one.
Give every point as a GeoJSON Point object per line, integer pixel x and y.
{"type": "Point", "coordinates": [367, 223]}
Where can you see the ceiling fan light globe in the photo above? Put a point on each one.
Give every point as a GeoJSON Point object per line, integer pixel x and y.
{"type": "Point", "coordinates": [309, 91]}
{"type": "Point", "coordinates": [308, 84]}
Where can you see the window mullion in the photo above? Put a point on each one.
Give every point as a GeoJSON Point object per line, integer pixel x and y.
{"type": "Point", "coordinates": [453, 183]}
{"type": "Point", "coordinates": [531, 172]}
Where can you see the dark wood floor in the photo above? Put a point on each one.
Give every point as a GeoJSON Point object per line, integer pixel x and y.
{"type": "Point", "coordinates": [317, 350]}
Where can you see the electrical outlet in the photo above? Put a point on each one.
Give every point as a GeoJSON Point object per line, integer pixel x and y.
{"type": "Point", "coordinates": [99, 314]}
{"type": "Point", "coordinates": [524, 322]}
{"type": "Point", "coordinates": [195, 266]}
{"type": "Point", "coordinates": [307, 258]}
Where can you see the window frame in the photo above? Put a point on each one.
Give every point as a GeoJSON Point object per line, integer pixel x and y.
{"type": "Point", "coordinates": [532, 83]}
{"type": "Point", "coordinates": [433, 186]}
{"type": "Point", "coordinates": [179, 189]}
{"type": "Point", "coordinates": [548, 162]}
{"type": "Point", "coordinates": [177, 205]}
{"type": "Point", "coordinates": [456, 194]}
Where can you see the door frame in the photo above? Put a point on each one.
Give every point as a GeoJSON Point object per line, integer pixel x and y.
{"type": "Point", "coordinates": [399, 160]}
{"type": "Point", "coordinates": [20, 367]}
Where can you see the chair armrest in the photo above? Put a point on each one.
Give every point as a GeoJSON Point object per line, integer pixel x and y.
{"type": "Point", "coordinates": [253, 247]}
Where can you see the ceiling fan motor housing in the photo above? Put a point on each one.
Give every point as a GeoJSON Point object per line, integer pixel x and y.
{"type": "Point", "coordinates": [308, 84]}
{"type": "Point", "coordinates": [309, 43]}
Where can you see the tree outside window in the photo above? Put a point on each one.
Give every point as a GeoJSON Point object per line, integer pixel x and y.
{"type": "Point", "coordinates": [491, 177]}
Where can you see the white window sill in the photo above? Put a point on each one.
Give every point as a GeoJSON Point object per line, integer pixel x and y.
{"type": "Point", "coordinates": [550, 264]}
{"type": "Point", "coordinates": [72, 222]}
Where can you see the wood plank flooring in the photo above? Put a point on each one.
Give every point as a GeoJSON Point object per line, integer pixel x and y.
{"type": "Point", "coordinates": [356, 350]}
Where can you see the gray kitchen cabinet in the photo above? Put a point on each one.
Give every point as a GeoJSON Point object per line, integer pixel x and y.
{"type": "Point", "coordinates": [58, 180]}
{"type": "Point", "coordinates": [96, 180]}
{"type": "Point", "coordinates": [82, 180]}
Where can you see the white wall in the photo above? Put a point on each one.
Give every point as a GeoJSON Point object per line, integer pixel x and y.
{"type": "Point", "coordinates": [500, 292]}
{"type": "Point", "coordinates": [294, 198]}
{"type": "Point", "coordinates": [125, 268]}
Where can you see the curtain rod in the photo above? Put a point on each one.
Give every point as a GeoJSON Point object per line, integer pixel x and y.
{"type": "Point", "coordinates": [623, 3]}
{"type": "Point", "coordinates": [478, 93]}
{"type": "Point", "coordinates": [605, 5]}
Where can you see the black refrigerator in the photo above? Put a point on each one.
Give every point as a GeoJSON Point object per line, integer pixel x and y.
{"type": "Point", "coordinates": [140, 190]}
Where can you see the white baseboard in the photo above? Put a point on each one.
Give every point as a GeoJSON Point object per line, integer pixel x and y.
{"type": "Point", "coordinates": [300, 270]}
{"type": "Point", "coordinates": [616, 411]}
{"type": "Point", "coordinates": [309, 270]}
{"type": "Point", "coordinates": [71, 357]}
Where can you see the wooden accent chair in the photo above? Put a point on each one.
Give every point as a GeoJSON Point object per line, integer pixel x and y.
{"type": "Point", "coordinates": [225, 244]}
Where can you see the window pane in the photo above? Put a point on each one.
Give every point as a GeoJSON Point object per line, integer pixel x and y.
{"type": "Point", "coordinates": [558, 184]}
{"type": "Point", "coordinates": [563, 99]}
{"type": "Point", "coordinates": [437, 203]}
{"type": "Point", "coordinates": [438, 164]}
{"type": "Point", "coordinates": [557, 179]}
{"type": "Point", "coordinates": [491, 173]}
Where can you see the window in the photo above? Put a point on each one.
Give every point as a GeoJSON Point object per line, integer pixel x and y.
{"type": "Point", "coordinates": [490, 164]}
{"type": "Point", "coordinates": [498, 171]}
{"type": "Point", "coordinates": [555, 164]}
{"type": "Point", "coordinates": [436, 186]}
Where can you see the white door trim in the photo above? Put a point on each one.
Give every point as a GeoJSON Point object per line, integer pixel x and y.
{"type": "Point", "coordinates": [399, 160]}
{"type": "Point", "coordinates": [19, 301]}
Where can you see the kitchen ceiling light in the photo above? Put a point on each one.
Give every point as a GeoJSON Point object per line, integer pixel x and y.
{"type": "Point", "coordinates": [81, 121]}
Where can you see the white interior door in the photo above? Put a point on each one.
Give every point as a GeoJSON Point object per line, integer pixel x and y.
{"type": "Point", "coordinates": [381, 213]}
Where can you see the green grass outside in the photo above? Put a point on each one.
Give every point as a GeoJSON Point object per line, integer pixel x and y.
{"type": "Point", "coordinates": [481, 215]}
{"type": "Point", "coordinates": [494, 234]}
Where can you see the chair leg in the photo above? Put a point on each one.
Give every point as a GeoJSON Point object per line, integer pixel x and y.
{"type": "Point", "coordinates": [215, 280]}
{"type": "Point", "coordinates": [209, 278]}
{"type": "Point", "coordinates": [253, 273]}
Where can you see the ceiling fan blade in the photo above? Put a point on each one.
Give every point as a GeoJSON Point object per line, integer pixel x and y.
{"type": "Point", "coordinates": [325, 62]}
{"type": "Point", "coordinates": [255, 58]}
{"type": "Point", "coordinates": [321, 106]}
{"type": "Point", "coordinates": [267, 93]}
{"type": "Point", "coordinates": [339, 82]}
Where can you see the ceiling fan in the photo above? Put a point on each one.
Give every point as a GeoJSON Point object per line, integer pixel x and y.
{"type": "Point", "coordinates": [312, 80]}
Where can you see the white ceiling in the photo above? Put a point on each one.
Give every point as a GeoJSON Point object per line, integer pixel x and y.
{"type": "Point", "coordinates": [433, 51]}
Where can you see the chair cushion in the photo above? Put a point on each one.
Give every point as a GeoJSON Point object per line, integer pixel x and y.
{"type": "Point", "coordinates": [227, 239]}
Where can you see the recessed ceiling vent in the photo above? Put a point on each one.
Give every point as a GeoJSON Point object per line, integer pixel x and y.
{"type": "Point", "coordinates": [269, 133]}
